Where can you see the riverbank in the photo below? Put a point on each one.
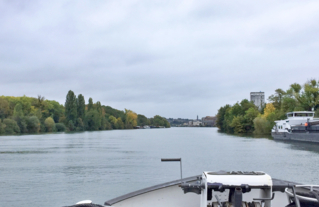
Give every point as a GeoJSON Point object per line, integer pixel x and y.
{"type": "Point", "coordinates": [246, 117]}
{"type": "Point", "coordinates": [28, 115]}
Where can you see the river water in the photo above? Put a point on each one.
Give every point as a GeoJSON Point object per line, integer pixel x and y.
{"type": "Point", "coordinates": [62, 169]}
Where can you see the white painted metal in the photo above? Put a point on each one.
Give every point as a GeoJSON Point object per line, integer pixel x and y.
{"type": "Point", "coordinates": [236, 180]}
{"type": "Point", "coordinates": [165, 197]}
{"type": "Point", "coordinates": [84, 201]}
{"type": "Point", "coordinates": [252, 180]}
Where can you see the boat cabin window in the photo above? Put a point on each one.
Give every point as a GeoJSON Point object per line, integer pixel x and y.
{"type": "Point", "coordinates": [304, 114]}
{"type": "Point", "coordinates": [290, 115]}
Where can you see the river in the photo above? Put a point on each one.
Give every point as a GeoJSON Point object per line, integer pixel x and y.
{"type": "Point", "coordinates": [63, 168]}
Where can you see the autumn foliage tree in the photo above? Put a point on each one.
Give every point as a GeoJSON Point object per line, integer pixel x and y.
{"type": "Point", "coordinates": [33, 115]}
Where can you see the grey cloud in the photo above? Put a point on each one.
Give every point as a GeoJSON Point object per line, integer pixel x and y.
{"type": "Point", "coordinates": [176, 59]}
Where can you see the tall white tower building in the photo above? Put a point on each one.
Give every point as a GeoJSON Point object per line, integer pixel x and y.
{"type": "Point", "coordinates": [258, 98]}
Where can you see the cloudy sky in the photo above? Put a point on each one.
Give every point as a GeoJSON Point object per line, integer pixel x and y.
{"type": "Point", "coordinates": [172, 58]}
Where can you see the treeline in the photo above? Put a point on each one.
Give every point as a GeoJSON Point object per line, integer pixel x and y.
{"type": "Point", "coordinates": [20, 115]}
{"type": "Point", "coordinates": [245, 117]}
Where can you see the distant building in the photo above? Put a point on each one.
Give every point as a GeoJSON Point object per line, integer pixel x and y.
{"type": "Point", "coordinates": [209, 121]}
{"type": "Point", "coordinates": [258, 98]}
{"type": "Point", "coordinates": [194, 123]}
{"type": "Point", "coordinates": [177, 122]}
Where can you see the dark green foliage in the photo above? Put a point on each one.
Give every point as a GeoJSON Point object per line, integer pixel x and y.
{"type": "Point", "coordinates": [81, 107]}
{"type": "Point", "coordinates": [220, 122]}
{"type": "Point", "coordinates": [4, 108]}
{"type": "Point", "coordinates": [119, 124]}
{"type": "Point", "coordinates": [34, 115]}
{"type": "Point", "coordinates": [93, 119]}
{"type": "Point", "coordinates": [2, 127]}
{"type": "Point", "coordinates": [262, 126]}
{"type": "Point", "coordinates": [245, 105]}
{"type": "Point", "coordinates": [71, 107]}
{"type": "Point", "coordinates": [53, 109]}
{"type": "Point", "coordinates": [11, 126]}
{"type": "Point", "coordinates": [60, 127]}
{"type": "Point", "coordinates": [98, 107]}
{"type": "Point", "coordinates": [71, 126]}
{"type": "Point", "coordinates": [42, 127]}
{"type": "Point", "coordinates": [238, 118]}
{"type": "Point", "coordinates": [17, 112]}
{"type": "Point", "coordinates": [22, 123]}
{"type": "Point", "coordinates": [109, 111]}
{"type": "Point", "coordinates": [90, 105]}
{"type": "Point", "coordinates": [80, 125]}
{"type": "Point", "coordinates": [142, 120]}
{"type": "Point", "coordinates": [33, 124]}
{"type": "Point", "coordinates": [159, 121]}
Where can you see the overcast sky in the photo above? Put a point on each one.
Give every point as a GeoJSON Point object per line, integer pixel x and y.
{"type": "Point", "coordinates": [171, 58]}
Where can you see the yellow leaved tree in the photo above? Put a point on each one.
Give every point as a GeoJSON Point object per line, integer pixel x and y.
{"type": "Point", "coordinates": [269, 109]}
{"type": "Point", "coordinates": [131, 119]}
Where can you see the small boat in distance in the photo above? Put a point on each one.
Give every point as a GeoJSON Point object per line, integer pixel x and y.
{"type": "Point", "coordinates": [299, 126]}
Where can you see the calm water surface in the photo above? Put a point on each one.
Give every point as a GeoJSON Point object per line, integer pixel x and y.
{"type": "Point", "coordinates": [62, 169]}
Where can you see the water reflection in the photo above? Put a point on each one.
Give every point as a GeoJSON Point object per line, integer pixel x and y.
{"type": "Point", "coordinates": [296, 145]}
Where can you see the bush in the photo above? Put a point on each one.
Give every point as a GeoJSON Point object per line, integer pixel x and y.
{"type": "Point", "coordinates": [262, 126]}
{"type": "Point", "coordinates": [49, 124]}
{"type": "Point", "coordinates": [33, 124]}
{"type": "Point", "coordinates": [71, 126]}
{"type": "Point", "coordinates": [11, 126]}
{"type": "Point", "coordinates": [60, 127]}
{"type": "Point", "coordinates": [80, 125]}
{"type": "Point", "coordinates": [2, 127]}
{"type": "Point", "coordinates": [22, 123]}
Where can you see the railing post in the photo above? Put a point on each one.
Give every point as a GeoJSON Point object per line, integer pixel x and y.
{"type": "Point", "coordinates": [174, 160]}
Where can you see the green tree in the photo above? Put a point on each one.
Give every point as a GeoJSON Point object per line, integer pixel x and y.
{"type": "Point", "coordinates": [159, 121]}
{"type": "Point", "coordinates": [71, 126]}
{"type": "Point", "coordinates": [40, 102]}
{"type": "Point", "coordinates": [4, 108]}
{"type": "Point", "coordinates": [22, 123]}
{"type": "Point", "coordinates": [60, 127]}
{"type": "Point", "coordinates": [49, 124]}
{"type": "Point", "coordinates": [93, 119]}
{"type": "Point", "coordinates": [71, 107]}
{"type": "Point", "coordinates": [33, 124]}
{"type": "Point", "coordinates": [119, 123]}
{"type": "Point", "coordinates": [131, 118]}
{"type": "Point", "coordinates": [11, 126]}
{"type": "Point", "coordinates": [220, 121]}
{"type": "Point", "coordinates": [81, 107]}
{"type": "Point", "coordinates": [262, 126]}
{"type": "Point", "coordinates": [249, 117]}
{"type": "Point", "coordinates": [90, 105]}
{"type": "Point", "coordinates": [276, 98]}
{"type": "Point", "coordinates": [113, 122]}
{"type": "Point", "coordinates": [17, 112]}
{"type": "Point", "coordinates": [237, 124]}
{"type": "Point", "coordinates": [80, 125]}
{"type": "Point", "coordinates": [142, 120]}
{"type": "Point", "coordinates": [2, 127]}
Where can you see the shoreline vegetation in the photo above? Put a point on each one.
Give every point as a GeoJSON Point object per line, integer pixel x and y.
{"type": "Point", "coordinates": [28, 115]}
{"type": "Point", "coordinates": [244, 117]}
